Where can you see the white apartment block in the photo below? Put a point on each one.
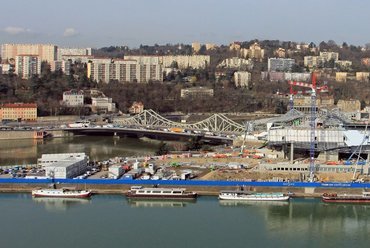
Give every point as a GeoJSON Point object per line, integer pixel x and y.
{"type": "Point", "coordinates": [46, 52]}
{"type": "Point", "coordinates": [26, 66]}
{"type": "Point", "coordinates": [363, 76]}
{"type": "Point", "coordinates": [183, 61]}
{"type": "Point", "coordinates": [63, 65]}
{"type": "Point", "coordinates": [73, 51]}
{"type": "Point", "coordinates": [280, 64]}
{"type": "Point", "coordinates": [102, 104]}
{"type": "Point", "coordinates": [73, 98]}
{"type": "Point", "coordinates": [236, 62]}
{"type": "Point", "coordinates": [5, 68]}
{"type": "Point", "coordinates": [123, 70]}
{"type": "Point", "coordinates": [343, 64]}
{"type": "Point", "coordinates": [242, 78]}
{"type": "Point", "coordinates": [329, 55]}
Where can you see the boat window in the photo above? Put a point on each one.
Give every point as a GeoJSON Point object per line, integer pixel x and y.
{"type": "Point", "coordinates": [141, 191]}
{"type": "Point", "coordinates": [156, 192]}
{"type": "Point", "coordinates": [167, 192]}
{"type": "Point", "coordinates": [177, 192]}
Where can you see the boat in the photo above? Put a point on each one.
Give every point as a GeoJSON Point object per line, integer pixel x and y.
{"type": "Point", "coordinates": [347, 198]}
{"type": "Point", "coordinates": [61, 193]}
{"type": "Point", "coordinates": [241, 195]}
{"type": "Point", "coordinates": [139, 192]}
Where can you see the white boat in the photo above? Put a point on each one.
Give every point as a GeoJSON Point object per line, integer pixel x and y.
{"type": "Point", "coordinates": [160, 193]}
{"type": "Point", "coordinates": [252, 196]}
{"type": "Point", "coordinates": [61, 193]}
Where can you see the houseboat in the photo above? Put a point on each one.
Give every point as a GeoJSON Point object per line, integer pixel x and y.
{"type": "Point", "coordinates": [240, 195]}
{"type": "Point", "coordinates": [139, 192]}
{"type": "Point", "coordinates": [61, 193]}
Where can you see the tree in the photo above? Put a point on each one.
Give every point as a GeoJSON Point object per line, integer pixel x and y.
{"type": "Point", "coordinates": [163, 149]}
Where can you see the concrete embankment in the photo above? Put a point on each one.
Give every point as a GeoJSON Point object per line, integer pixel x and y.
{"type": "Point", "coordinates": [201, 190]}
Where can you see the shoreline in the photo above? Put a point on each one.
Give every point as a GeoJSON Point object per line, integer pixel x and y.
{"type": "Point", "coordinates": [201, 190]}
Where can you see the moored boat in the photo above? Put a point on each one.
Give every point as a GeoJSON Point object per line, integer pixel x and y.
{"type": "Point", "coordinates": [346, 198]}
{"type": "Point", "coordinates": [160, 193]}
{"type": "Point", "coordinates": [240, 195]}
{"type": "Point", "coordinates": [61, 193]}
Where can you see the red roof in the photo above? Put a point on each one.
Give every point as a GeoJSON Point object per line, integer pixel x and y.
{"type": "Point", "coordinates": [19, 105]}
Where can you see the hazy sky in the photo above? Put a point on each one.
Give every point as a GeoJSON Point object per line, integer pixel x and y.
{"type": "Point", "coordinates": [100, 23]}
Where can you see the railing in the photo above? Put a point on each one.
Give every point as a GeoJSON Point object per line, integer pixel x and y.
{"type": "Point", "coordinates": [187, 183]}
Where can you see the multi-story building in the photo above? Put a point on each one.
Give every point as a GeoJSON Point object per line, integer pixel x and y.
{"type": "Point", "coordinates": [196, 46]}
{"type": "Point", "coordinates": [326, 56]}
{"type": "Point", "coordinates": [123, 70]}
{"type": "Point", "coordinates": [102, 105]}
{"type": "Point", "coordinates": [27, 66]}
{"type": "Point", "coordinates": [349, 105]}
{"type": "Point", "coordinates": [343, 64]}
{"type": "Point", "coordinates": [77, 58]}
{"type": "Point", "coordinates": [210, 46]}
{"type": "Point", "coordinates": [73, 98]}
{"type": "Point", "coordinates": [73, 51]}
{"type": "Point", "coordinates": [198, 92]}
{"type": "Point", "coordinates": [242, 78]}
{"type": "Point", "coordinates": [46, 52]}
{"type": "Point", "coordinates": [5, 68]}
{"type": "Point", "coordinates": [18, 111]}
{"type": "Point", "coordinates": [341, 76]}
{"type": "Point", "coordinates": [256, 52]}
{"type": "Point", "coordinates": [280, 52]}
{"type": "Point", "coordinates": [363, 76]}
{"type": "Point", "coordinates": [280, 64]}
{"type": "Point", "coordinates": [236, 62]}
{"type": "Point", "coordinates": [182, 61]}
{"type": "Point", "coordinates": [63, 65]}
{"type": "Point", "coordinates": [235, 46]}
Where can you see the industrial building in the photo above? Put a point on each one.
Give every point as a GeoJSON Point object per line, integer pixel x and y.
{"type": "Point", "coordinates": [63, 165]}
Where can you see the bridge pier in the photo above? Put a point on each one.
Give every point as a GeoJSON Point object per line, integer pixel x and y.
{"type": "Point", "coordinates": [115, 136]}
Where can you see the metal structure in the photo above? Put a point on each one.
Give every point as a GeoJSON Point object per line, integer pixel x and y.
{"type": "Point", "coordinates": [217, 123]}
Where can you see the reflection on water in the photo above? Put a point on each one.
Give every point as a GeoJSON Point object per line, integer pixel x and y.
{"type": "Point", "coordinates": [232, 203]}
{"type": "Point", "coordinates": [159, 203]}
{"type": "Point", "coordinates": [60, 204]}
{"type": "Point", "coordinates": [16, 152]}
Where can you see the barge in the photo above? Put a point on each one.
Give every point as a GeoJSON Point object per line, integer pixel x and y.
{"type": "Point", "coordinates": [139, 192]}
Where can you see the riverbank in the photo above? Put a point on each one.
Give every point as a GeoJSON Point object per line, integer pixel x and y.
{"type": "Point", "coordinates": [201, 190]}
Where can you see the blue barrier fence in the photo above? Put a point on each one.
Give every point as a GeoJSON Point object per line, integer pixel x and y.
{"type": "Point", "coordinates": [185, 183]}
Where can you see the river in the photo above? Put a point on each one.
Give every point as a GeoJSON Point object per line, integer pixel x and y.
{"type": "Point", "coordinates": [26, 151]}
{"type": "Point", "coordinates": [113, 221]}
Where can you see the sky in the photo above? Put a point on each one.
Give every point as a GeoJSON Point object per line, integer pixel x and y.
{"type": "Point", "coordinates": [99, 23]}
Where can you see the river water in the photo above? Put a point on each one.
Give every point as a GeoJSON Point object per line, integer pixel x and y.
{"type": "Point", "coordinates": [113, 221]}
{"type": "Point", "coordinates": [18, 152]}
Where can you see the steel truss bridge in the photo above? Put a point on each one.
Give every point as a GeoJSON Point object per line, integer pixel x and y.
{"type": "Point", "coordinates": [217, 123]}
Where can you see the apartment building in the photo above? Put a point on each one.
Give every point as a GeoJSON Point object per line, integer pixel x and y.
{"type": "Point", "coordinates": [123, 71]}
{"type": "Point", "coordinates": [18, 111]}
{"type": "Point", "coordinates": [199, 92]}
{"type": "Point", "coordinates": [196, 46]}
{"type": "Point", "coordinates": [236, 62]}
{"type": "Point", "coordinates": [27, 66]}
{"type": "Point", "coordinates": [363, 76]}
{"type": "Point", "coordinates": [254, 52]}
{"type": "Point", "coordinates": [46, 52]}
{"type": "Point", "coordinates": [341, 76]}
{"type": "Point", "coordinates": [73, 51]}
{"type": "Point", "coordinates": [183, 61]}
{"type": "Point", "coordinates": [343, 64]}
{"type": "Point", "coordinates": [242, 78]}
{"type": "Point", "coordinates": [280, 64]}
{"type": "Point", "coordinates": [329, 56]}
{"type": "Point", "coordinates": [73, 98]}
{"type": "Point", "coordinates": [63, 65]}
{"type": "Point", "coordinates": [102, 105]}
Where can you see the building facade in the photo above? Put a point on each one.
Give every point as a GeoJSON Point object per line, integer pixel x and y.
{"type": "Point", "coordinates": [106, 70]}
{"type": "Point", "coordinates": [242, 78]}
{"type": "Point", "coordinates": [27, 66]}
{"type": "Point", "coordinates": [280, 64]}
{"type": "Point", "coordinates": [197, 92]}
{"type": "Point", "coordinates": [102, 105]}
{"type": "Point", "coordinates": [236, 62]}
{"type": "Point", "coordinates": [363, 76]}
{"type": "Point", "coordinates": [136, 108]}
{"type": "Point", "coordinates": [46, 52]}
{"type": "Point", "coordinates": [73, 51]}
{"type": "Point", "coordinates": [73, 98]}
{"type": "Point", "coordinates": [18, 111]}
{"type": "Point", "coordinates": [62, 65]}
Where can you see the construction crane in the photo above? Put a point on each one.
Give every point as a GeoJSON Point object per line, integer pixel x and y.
{"type": "Point", "coordinates": [314, 90]}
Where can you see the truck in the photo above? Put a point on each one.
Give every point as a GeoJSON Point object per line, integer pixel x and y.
{"type": "Point", "coordinates": [176, 130]}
